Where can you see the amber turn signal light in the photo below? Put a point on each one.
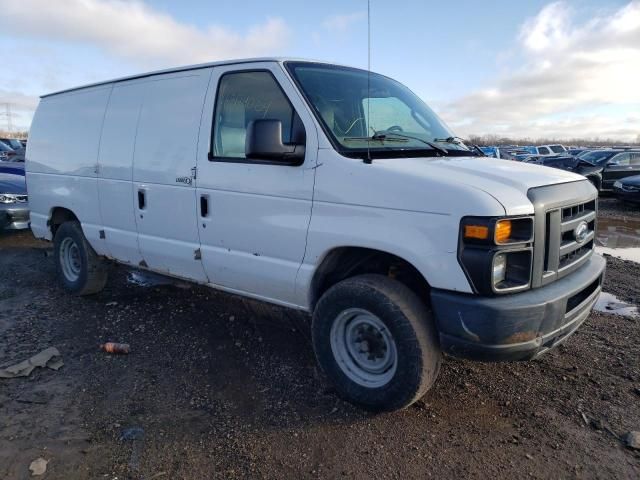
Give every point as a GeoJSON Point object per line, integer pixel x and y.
{"type": "Point", "coordinates": [480, 232]}
{"type": "Point", "coordinates": [503, 231]}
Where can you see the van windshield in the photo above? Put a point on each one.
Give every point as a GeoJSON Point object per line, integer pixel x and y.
{"type": "Point", "coordinates": [362, 113]}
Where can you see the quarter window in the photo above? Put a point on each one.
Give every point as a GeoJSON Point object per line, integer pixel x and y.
{"type": "Point", "coordinates": [242, 98]}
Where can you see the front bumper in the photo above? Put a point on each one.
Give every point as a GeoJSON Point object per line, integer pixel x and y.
{"type": "Point", "coordinates": [14, 216]}
{"type": "Point", "coordinates": [520, 326]}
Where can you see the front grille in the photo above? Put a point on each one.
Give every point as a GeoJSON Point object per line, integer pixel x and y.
{"type": "Point", "coordinates": [565, 229]}
{"type": "Point", "coordinates": [573, 250]}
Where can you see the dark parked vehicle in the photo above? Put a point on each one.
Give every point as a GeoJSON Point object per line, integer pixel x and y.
{"type": "Point", "coordinates": [14, 205]}
{"type": "Point", "coordinates": [628, 189]}
{"type": "Point", "coordinates": [16, 168]}
{"type": "Point", "coordinates": [14, 143]}
{"type": "Point", "coordinates": [576, 151]}
{"type": "Point", "coordinates": [6, 152]}
{"type": "Point", "coordinates": [602, 167]}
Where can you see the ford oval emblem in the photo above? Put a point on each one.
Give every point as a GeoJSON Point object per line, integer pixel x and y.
{"type": "Point", "coordinates": [581, 232]}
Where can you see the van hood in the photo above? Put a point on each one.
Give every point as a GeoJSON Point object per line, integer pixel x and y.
{"type": "Point", "coordinates": [506, 180]}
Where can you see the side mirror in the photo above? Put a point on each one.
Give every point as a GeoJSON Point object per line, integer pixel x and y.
{"type": "Point", "coordinates": [612, 163]}
{"type": "Point", "coordinates": [264, 142]}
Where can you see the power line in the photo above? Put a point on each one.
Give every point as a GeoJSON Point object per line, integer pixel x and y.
{"type": "Point", "coordinates": [9, 114]}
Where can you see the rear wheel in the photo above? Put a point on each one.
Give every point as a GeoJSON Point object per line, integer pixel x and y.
{"type": "Point", "coordinates": [376, 341]}
{"type": "Point", "coordinates": [79, 268]}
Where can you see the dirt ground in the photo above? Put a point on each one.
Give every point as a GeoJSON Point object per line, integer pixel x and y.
{"type": "Point", "coordinates": [219, 387]}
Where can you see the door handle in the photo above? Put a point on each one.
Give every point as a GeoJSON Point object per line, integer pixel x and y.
{"type": "Point", "coordinates": [142, 199]}
{"type": "Point", "coordinates": [204, 206]}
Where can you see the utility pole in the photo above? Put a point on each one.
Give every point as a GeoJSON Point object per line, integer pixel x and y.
{"type": "Point", "coordinates": [9, 115]}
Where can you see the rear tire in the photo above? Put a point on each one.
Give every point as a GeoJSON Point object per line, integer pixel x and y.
{"type": "Point", "coordinates": [80, 270]}
{"type": "Point", "coordinates": [377, 342]}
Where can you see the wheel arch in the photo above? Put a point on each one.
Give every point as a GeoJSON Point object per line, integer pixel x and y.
{"type": "Point", "coordinates": [59, 215]}
{"type": "Point", "coordinates": [344, 262]}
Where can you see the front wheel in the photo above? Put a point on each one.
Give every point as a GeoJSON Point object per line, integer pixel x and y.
{"type": "Point", "coordinates": [79, 268]}
{"type": "Point", "coordinates": [376, 341]}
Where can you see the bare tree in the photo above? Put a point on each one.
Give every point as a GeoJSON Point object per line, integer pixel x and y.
{"type": "Point", "coordinates": [491, 139]}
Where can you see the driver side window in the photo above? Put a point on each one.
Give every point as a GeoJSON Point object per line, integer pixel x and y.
{"type": "Point", "coordinates": [242, 98]}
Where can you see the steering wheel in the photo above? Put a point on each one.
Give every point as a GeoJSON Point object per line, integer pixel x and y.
{"type": "Point", "coordinates": [394, 128]}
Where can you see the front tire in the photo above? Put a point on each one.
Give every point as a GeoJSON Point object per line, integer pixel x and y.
{"type": "Point", "coordinates": [377, 342]}
{"type": "Point", "coordinates": [79, 268]}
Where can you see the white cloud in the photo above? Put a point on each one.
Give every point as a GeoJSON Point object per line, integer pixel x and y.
{"type": "Point", "coordinates": [567, 68]}
{"type": "Point", "coordinates": [131, 34]}
{"type": "Point", "coordinates": [341, 23]}
{"type": "Point", "coordinates": [135, 31]}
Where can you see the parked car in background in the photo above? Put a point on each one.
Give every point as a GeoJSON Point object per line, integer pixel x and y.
{"type": "Point", "coordinates": [17, 168]}
{"type": "Point", "coordinates": [601, 167]}
{"type": "Point", "coordinates": [6, 152]}
{"type": "Point", "coordinates": [576, 151]}
{"type": "Point", "coordinates": [628, 189]}
{"type": "Point", "coordinates": [10, 155]}
{"type": "Point", "coordinates": [24, 143]}
{"type": "Point", "coordinates": [489, 151]}
{"type": "Point", "coordinates": [564, 162]}
{"type": "Point", "coordinates": [555, 149]}
{"type": "Point", "coordinates": [509, 153]}
{"type": "Point", "coordinates": [545, 149]}
{"type": "Point", "coordinates": [14, 143]}
{"type": "Point", "coordinates": [14, 204]}
{"type": "Point", "coordinates": [528, 158]}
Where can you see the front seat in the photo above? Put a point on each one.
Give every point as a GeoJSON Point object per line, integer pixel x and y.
{"type": "Point", "coordinates": [232, 130]}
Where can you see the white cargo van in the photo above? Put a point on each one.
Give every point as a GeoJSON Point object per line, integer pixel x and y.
{"type": "Point", "coordinates": [326, 189]}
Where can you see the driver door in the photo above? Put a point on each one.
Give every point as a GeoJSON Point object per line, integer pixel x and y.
{"type": "Point", "coordinates": [253, 213]}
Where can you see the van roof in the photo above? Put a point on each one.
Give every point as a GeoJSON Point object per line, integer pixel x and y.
{"type": "Point", "coordinates": [186, 68]}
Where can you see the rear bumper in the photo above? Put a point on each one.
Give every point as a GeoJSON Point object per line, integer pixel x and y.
{"type": "Point", "coordinates": [521, 326]}
{"type": "Point", "coordinates": [14, 216]}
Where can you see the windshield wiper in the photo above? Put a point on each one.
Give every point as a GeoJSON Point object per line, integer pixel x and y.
{"type": "Point", "coordinates": [454, 140]}
{"type": "Point", "coordinates": [384, 135]}
{"type": "Point", "coordinates": [377, 138]}
{"type": "Point", "coordinates": [460, 141]}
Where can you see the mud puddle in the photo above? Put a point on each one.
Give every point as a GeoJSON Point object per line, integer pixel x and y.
{"type": "Point", "coordinates": [609, 303]}
{"type": "Point", "coordinates": [619, 237]}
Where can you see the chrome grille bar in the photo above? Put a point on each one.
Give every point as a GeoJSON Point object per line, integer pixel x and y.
{"type": "Point", "coordinates": [559, 210]}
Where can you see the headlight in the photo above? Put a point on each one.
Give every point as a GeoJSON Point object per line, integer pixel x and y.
{"type": "Point", "coordinates": [496, 253]}
{"type": "Point", "coordinates": [617, 184]}
{"type": "Point", "coordinates": [499, 268]}
{"type": "Point", "coordinates": [7, 198]}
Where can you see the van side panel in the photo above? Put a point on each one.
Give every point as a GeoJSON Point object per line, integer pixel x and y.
{"type": "Point", "coordinates": [115, 171]}
{"type": "Point", "coordinates": [62, 160]}
{"type": "Point", "coordinates": [164, 159]}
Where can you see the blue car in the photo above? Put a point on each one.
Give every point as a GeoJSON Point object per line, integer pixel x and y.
{"type": "Point", "coordinates": [16, 168]}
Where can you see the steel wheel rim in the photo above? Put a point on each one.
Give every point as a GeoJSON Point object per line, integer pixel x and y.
{"type": "Point", "coordinates": [70, 260]}
{"type": "Point", "coordinates": [363, 348]}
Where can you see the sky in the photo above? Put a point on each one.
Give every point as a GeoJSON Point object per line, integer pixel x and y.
{"type": "Point", "coordinates": [528, 68]}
